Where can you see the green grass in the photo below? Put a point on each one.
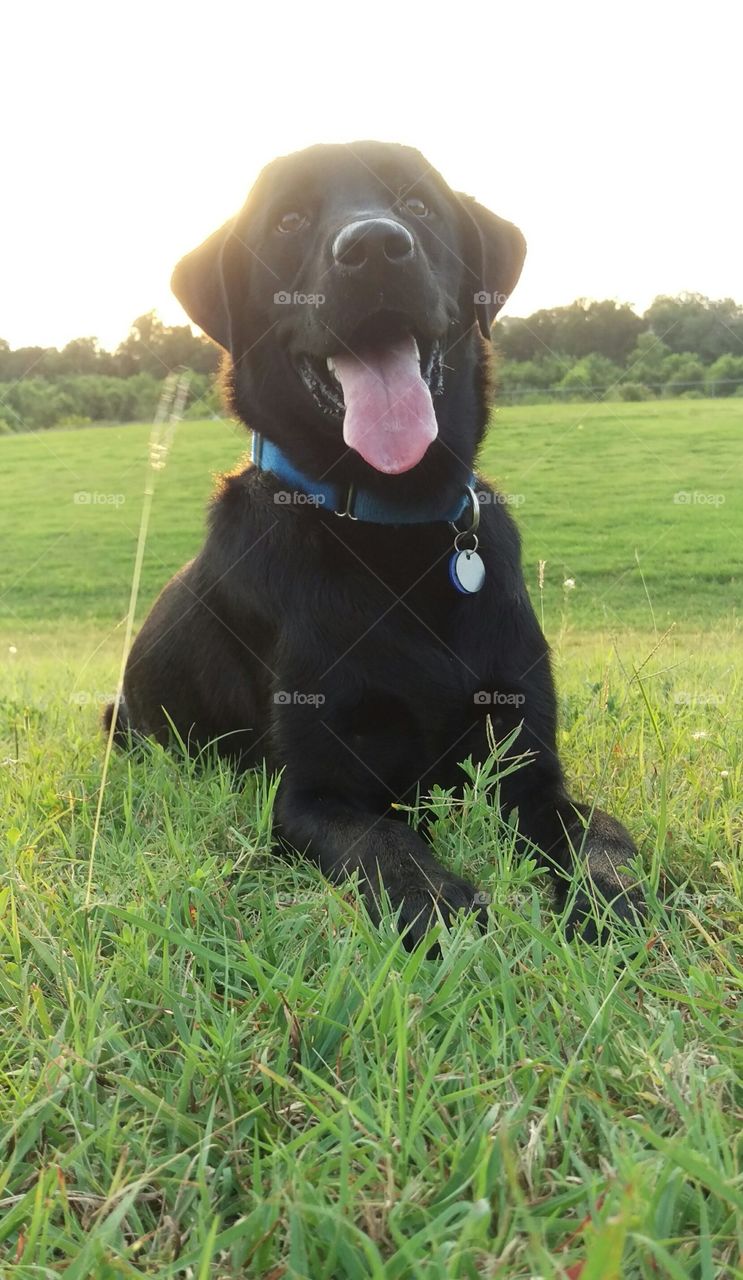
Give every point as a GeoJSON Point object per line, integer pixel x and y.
{"type": "Point", "coordinates": [593, 488]}
{"type": "Point", "coordinates": [640, 504]}
{"type": "Point", "coordinates": [217, 1067]}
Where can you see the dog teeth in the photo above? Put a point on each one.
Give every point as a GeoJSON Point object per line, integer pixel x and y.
{"type": "Point", "coordinates": [434, 374]}
{"type": "Point", "coordinates": [331, 368]}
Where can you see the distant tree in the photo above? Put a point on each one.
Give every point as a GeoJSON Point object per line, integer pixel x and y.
{"type": "Point", "coordinates": [514, 338]}
{"type": "Point", "coordinates": [606, 328]}
{"type": "Point", "coordinates": [152, 347]}
{"type": "Point", "coordinates": [517, 377]}
{"type": "Point", "coordinates": [82, 355]}
{"type": "Point", "coordinates": [138, 352]}
{"type": "Point", "coordinates": [692, 322]}
{"type": "Point", "coordinates": [591, 377]}
{"type": "Point", "coordinates": [26, 362]}
{"type": "Point", "coordinates": [683, 373]}
{"type": "Point", "coordinates": [530, 338]}
{"type": "Point", "coordinates": [645, 363]}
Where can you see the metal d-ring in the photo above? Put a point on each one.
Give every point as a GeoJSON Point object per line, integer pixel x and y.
{"type": "Point", "coordinates": [473, 527]}
{"type": "Point", "coordinates": [347, 514]}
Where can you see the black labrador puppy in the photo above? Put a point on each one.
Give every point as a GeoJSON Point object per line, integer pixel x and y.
{"type": "Point", "coordinates": [358, 610]}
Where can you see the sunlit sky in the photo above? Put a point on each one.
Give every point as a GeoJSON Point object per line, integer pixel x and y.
{"type": "Point", "coordinates": [610, 133]}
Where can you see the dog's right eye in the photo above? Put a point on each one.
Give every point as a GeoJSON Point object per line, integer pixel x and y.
{"type": "Point", "coordinates": [291, 221]}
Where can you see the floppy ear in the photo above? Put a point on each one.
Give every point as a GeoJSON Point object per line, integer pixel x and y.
{"type": "Point", "coordinates": [497, 256]}
{"type": "Point", "coordinates": [199, 282]}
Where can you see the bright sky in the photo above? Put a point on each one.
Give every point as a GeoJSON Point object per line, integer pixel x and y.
{"type": "Point", "coordinates": [610, 133]}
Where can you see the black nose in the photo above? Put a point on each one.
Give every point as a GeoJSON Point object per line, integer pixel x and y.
{"type": "Point", "coordinates": [373, 241]}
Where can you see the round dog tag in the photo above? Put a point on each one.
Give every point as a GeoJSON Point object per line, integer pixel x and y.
{"type": "Point", "coordinates": [467, 572]}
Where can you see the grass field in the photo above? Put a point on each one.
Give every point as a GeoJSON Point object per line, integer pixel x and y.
{"type": "Point", "coordinates": [608, 495]}
{"type": "Point", "coordinates": [213, 1066]}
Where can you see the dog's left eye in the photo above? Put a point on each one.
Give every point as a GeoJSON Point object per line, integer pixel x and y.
{"type": "Point", "coordinates": [415, 205]}
{"type": "Point", "coordinates": [291, 221]}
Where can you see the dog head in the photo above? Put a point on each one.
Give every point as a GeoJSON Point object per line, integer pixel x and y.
{"type": "Point", "coordinates": [350, 293]}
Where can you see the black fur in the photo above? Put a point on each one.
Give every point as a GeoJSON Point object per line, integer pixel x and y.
{"type": "Point", "coordinates": [289, 599]}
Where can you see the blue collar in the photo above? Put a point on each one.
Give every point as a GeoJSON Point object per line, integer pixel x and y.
{"type": "Point", "coordinates": [357, 504]}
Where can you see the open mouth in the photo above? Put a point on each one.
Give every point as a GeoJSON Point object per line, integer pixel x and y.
{"type": "Point", "coordinates": [383, 391]}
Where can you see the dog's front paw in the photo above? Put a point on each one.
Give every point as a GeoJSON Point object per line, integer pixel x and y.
{"type": "Point", "coordinates": [608, 887]}
{"type": "Point", "coordinates": [422, 892]}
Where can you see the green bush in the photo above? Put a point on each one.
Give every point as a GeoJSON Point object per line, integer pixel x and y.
{"type": "Point", "coordinates": [35, 404]}
{"type": "Point", "coordinates": [74, 420]}
{"type": "Point", "coordinates": [682, 372]}
{"type": "Point", "coordinates": [725, 376]}
{"type": "Point", "coordinates": [645, 363]}
{"type": "Point", "coordinates": [517, 378]}
{"type": "Point", "coordinates": [590, 378]}
{"type": "Point", "coordinates": [634, 391]}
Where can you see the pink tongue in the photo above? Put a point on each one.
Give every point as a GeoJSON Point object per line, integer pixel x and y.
{"type": "Point", "coordinates": [389, 416]}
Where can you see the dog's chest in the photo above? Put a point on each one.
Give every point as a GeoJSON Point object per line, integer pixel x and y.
{"type": "Point", "coordinates": [402, 631]}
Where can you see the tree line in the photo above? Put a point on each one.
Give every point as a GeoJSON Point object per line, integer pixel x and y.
{"type": "Point", "coordinates": [82, 383]}
{"type": "Point", "coordinates": [686, 345]}
{"type": "Point", "coordinates": [149, 347]}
